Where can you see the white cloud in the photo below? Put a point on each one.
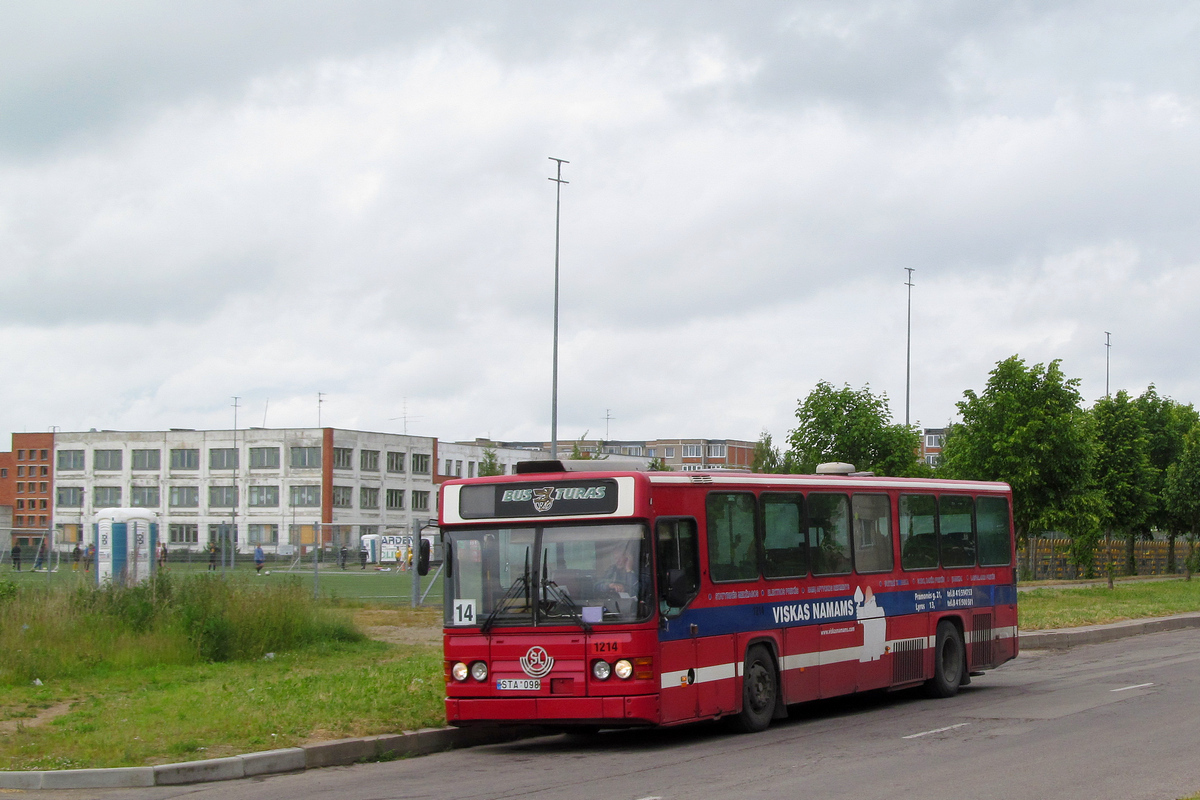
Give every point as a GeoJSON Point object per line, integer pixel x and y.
{"type": "Point", "coordinates": [374, 222]}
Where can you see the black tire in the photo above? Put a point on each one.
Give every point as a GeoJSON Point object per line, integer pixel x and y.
{"type": "Point", "coordinates": [949, 661]}
{"type": "Point", "coordinates": [760, 691]}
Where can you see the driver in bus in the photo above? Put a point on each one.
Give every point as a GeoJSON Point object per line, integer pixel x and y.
{"type": "Point", "coordinates": [621, 576]}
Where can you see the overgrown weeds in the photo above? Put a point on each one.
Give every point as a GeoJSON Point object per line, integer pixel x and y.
{"type": "Point", "coordinates": [166, 621]}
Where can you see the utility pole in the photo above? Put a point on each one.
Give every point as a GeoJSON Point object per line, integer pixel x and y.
{"type": "Point", "coordinates": [554, 379]}
{"type": "Point", "coordinates": [1107, 353]}
{"type": "Point", "coordinates": [908, 351]}
{"type": "Point", "coordinates": [608, 417]}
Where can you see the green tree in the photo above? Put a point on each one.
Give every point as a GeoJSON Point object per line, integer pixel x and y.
{"type": "Point", "coordinates": [1167, 424]}
{"type": "Point", "coordinates": [766, 456]}
{"type": "Point", "coordinates": [1028, 429]}
{"type": "Point", "coordinates": [1181, 494]}
{"type": "Point", "coordinates": [1124, 474]}
{"type": "Point", "coordinates": [658, 465]}
{"type": "Point", "coordinates": [490, 465]}
{"type": "Point", "coordinates": [854, 426]}
{"type": "Point", "coordinates": [577, 451]}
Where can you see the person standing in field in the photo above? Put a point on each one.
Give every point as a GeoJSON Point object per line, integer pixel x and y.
{"type": "Point", "coordinates": [88, 557]}
{"type": "Point", "coordinates": [16, 556]}
{"type": "Point", "coordinates": [212, 557]}
{"type": "Point", "coordinates": [162, 555]}
{"type": "Point", "coordinates": [260, 558]}
{"type": "Point", "coordinates": [76, 556]}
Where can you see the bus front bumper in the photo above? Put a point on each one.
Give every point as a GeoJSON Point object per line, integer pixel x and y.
{"type": "Point", "coordinates": [636, 710]}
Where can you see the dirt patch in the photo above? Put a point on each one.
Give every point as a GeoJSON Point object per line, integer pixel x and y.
{"type": "Point", "coordinates": [41, 718]}
{"type": "Point", "coordinates": [402, 626]}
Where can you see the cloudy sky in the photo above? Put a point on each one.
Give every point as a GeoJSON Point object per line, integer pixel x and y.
{"type": "Point", "coordinates": [275, 199]}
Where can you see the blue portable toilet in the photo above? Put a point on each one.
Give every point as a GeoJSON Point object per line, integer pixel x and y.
{"type": "Point", "coordinates": [126, 540]}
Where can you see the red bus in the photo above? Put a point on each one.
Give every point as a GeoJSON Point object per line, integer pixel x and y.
{"type": "Point", "coordinates": [619, 598]}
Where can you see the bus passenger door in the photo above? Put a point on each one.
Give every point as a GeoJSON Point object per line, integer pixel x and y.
{"type": "Point", "coordinates": [677, 559]}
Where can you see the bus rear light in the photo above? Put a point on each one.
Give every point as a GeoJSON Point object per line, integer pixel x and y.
{"type": "Point", "coordinates": [601, 670]}
{"type": "Point", "coordinates": [623, 669]}
{"type": "Point", "coordinates": [459, 671]}
{"type": "Point", "coordinates": [479, 671]}
{"type": "Point", "coordinates": [643, 668]}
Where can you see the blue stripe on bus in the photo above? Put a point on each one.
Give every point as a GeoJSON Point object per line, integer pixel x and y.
{"type": "Point", "coordinates": [718, 620]}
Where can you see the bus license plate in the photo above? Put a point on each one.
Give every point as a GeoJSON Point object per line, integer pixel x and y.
{"type": "Point", "coordinates": [522, 684]}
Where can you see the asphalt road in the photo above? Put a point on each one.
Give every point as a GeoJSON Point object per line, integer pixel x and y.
{"type": "Point", "coordinates": [1115, 720]}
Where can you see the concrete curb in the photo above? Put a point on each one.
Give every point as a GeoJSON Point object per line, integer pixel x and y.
{"type": "Point", "coordinates": [1064, 638]}
{"type": "Point", "coordinates": [337, 753]}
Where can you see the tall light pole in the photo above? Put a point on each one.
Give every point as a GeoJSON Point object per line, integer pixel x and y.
{"type": "Point", "coordinates": [554, 379]}
{"type": "Point", "coordinates": [908, 350]}
{"type": "Point", "coordinates": [1107, 352]}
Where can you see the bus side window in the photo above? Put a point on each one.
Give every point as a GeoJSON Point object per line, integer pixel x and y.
{"type": "Point", "coordinates": [956, 525]}
{"type": "Point", "coordinates": [732, 554]}
{"type": "Point", "coordinates": [918, 531]}
{"type": "Point", "coordinates": [785, 538]}
{"type": "Point", "coordinates": [991, 518]}
{"type": "Point", "coordinates": [677, 551]}
{"type": "Point", "coordinates": [872, 532]}
{"type": "Point", "coordinates": [829, 533]}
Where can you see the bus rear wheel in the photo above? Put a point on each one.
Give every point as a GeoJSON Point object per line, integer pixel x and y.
{"type": "Point", "coordinates": [949, 661]}
{"type": "Point", "coordinates": [760, 689]}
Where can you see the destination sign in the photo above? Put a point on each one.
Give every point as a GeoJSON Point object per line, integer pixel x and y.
{"type": "Point", "coordinates": [562, 498]}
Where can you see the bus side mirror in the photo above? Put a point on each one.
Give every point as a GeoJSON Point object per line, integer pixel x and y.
{"type": "Point", "coordinates": [423, 558]}
{"type": "Point", "coordinates": [678, 588]}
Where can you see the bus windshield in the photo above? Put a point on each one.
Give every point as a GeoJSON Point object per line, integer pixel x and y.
{"type": "Point", "coordinates": [576, 574]}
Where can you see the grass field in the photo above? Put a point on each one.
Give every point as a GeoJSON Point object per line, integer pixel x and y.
{"type": "Point", "coordinates": [369, 585]}
{"type": "Point", "coordinates": [1042, 609]}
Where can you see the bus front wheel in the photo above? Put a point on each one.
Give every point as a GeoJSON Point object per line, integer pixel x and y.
{"type": "Point", "coordinates": [949, 661]}
{"type": "Point", "coordinates": [759, 691]}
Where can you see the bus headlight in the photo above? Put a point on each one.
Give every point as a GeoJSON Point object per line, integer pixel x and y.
{"type": "Point", "coordinates": [601, 670]}
{"type": "Point", "coordinates": [623, 669]}
{"type": "Point", "coordinates": [459, 671]}
{"type": "Point", "coordinates": [479, 671]}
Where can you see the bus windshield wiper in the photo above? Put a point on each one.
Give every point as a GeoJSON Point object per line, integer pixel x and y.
{"type": "Point", "coordinates": [561, 597]}
{"type": "Point", "coordinates": [521, 583]}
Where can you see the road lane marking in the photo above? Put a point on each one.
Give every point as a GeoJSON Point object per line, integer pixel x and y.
{"type": "Point", "coordinates": [936, 730]}
{"type": "Point", "coordinates": [1138, 686]}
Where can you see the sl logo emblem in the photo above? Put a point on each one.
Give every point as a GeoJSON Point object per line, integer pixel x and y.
{"type": "Point", "coordinates": [537, 663]}
{"type": "Point", "coordinates": [543, 499]}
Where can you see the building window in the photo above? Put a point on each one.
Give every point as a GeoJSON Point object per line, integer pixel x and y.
{"type": "Point", "coordinates": [668, 452]}
{"type": "Point", "coordinates": [184, 533]}
{"type": "Point", "coordinates": [343, 458]}
{"type": "Point", "coordinates": [395, 462]}
{"type": "Point", "coordinates": [420, 501]}
{"type": "Point", "coordinates": [20, 487]}
{"type": "Point", "coordinates": [263, 534]}
{"type": "Point", "coordinates": [21, 504]}
{"type": "Point", "coordinates": [343, 496]}
{"type": "Point", "coordinates": [4, 472]}
{"type": "Point", "coordinates": [264, 458]}
{"type": "Point", "coordinates": [222, 496]}
{"type": "Point", "coordinates": [45, 471]}
{"type": "Point", "coordinates": [470, 469]}
{"type": "Point", "coordinates": [716, 451]}
{"type": "Point", "coordinates": [43, 487]}
{"type": "Point", "coordinates": [368, 497]}
{"type": "Point", "coordinates": [458, 469]}
{"type": "Point", "coordinates": [45, 456]}
{"type": "Point", "coordinates": [368, 460]}
{"type": "Point", "coordinates": [934, 440]}
{"type": "Point", "coordinates": [633, 451]}
{"type": "Point", "coordinates": [222, 458]}
{"type": "Point", "coordinates": [264, 496]}
{"type": "Point", "coordinates": [107, 460]}
{"type": "Point", "coordinates": [306, 496]}
{"type": "Point", "coordinates": [420, 463]}
{"type": "Point", "coordinates": [184, 496]}
{"type": "Point", "coordinates": [42, 504]}
{"type": "Point", "coordinates": [69, 497]}
{"type": "Point", "coordinates": [693, 451]}
{"type": "Point", "coordinates": [70, 459]}
{"type": "Point", "coordinates": [143, 496]}
{"type": "Point", "coordinates": [223, 532]}
{"type": "Point", "coordinates": [146, 460]}
{"type": "Point", "coordinates": [20, 472]}
{"type": "Point", "coordinates": [20, 455]}
{"type": "Point", "coordinates": [449, 470]}
{"type": "Point", "coordinates": [395, 499]}
{"type": "Point", "coordinates": [306, 457]}
{"type": "Point", "coordinates": [185, 459]}
{"type": "Point", "coordinates": [106, 496]}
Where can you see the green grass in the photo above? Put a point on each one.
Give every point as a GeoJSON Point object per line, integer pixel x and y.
{"type": "Point", "coordinates": [172, 713]}
{"type": "Point", "coordinates": [1041, 609]}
